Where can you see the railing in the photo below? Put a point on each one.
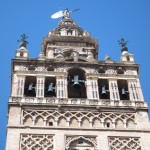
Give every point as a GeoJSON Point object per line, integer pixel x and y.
{"type": "Point", "coordinates": [77, 101]}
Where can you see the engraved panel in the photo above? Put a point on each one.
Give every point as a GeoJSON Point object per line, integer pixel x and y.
{"type": "Point", "coordinates": [124, 143]}
{"type": "Point", "coordinates": [36, 142]}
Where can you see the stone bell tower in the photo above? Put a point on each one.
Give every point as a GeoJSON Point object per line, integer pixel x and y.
{"type": "Point", "coordinates": [67, 99]}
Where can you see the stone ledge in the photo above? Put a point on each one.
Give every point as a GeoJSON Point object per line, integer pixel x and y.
{"type": "Point", "coordinates": [89, 129]}
{"type": "Point", "coordinates": [80, 102]}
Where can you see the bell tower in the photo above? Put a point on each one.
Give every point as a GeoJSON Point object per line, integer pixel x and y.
{"type": "Point", "coordinates": [67, 99]}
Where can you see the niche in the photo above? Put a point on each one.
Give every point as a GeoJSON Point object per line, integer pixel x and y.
{"type": "Point", "coordinates": [50, 87]}
{"type": "Point", "coordinates": [30, 86]}
{"type": "Point", "coordinates": [123, 89]}
{"type": "Point", "coordinates": [103, 89]}
{"type": "Point", "coordinates": [76, 83]}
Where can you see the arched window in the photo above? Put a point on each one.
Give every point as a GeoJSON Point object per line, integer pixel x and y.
{"type": "Point", "coordinates": [76, 83]}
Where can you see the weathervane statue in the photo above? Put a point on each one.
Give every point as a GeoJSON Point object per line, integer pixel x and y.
{"type": "Point", "coordinates": [23, 41]}
{"type": "Point", "coordinates": [123, 44]}
{"type": "Point", "coordinates": [65, 13]}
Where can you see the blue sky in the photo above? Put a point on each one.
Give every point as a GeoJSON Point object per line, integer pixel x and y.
{"type": "Point", "coordinates": [106, 20]}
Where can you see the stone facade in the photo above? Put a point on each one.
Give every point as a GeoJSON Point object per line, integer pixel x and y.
{"type": "Point", "coordinates": [66, 99]}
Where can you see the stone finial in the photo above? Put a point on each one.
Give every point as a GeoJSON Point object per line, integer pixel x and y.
{"type": "Point", "coordinates": [107, 58]}
{"type": "Point", "coordinates": [23, 41]}
{"type": "Point", "coordinates": [123, 44]}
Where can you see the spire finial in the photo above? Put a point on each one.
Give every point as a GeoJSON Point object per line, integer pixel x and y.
{"type": "Point", "coordinates": [23, 41]}
{"type": "Point", "coordinates": [123, 44]}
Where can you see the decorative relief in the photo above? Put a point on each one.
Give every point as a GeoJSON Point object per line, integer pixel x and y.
{"type": "Point", "coordinates": [29, 100]}
{"type": "Point", "coordinates": [93, 102]}
{"type": "Point", "coordinates": [139, 104]}
{"type": "Point", "coordinates": [75, 140]}
{"type": "Point", "coordinates": [51, 101]}
{"type": "Point", "coordinates": [124, 143]}
{"type": "Point", "coordinates": [93, 71]}
{"type": "Point", "coordinates": [16, 99]}
{"type": "Point", "coordinates": [40, 68]}
{"type": "Point", "coordinates": [82, 119]}
{"type": "Point", "coordinates": [61, 69]}
{"type": "Point", "coordinates": [21, 68]}
{"type": "Point", "coordinates": [105, 102]}
{"type": "Point", "coordinates": [83, 102]}
{"type": "Point", "coordinates": [127, 103]}
{"type": "Point", "coordinates": [110, 71]}
{"type": "Point", "coordinates": [40, 100]}
{"type": "Point", "coordinates": [36, 142]}
{"type": "Point", "coordinates": [73, 101]}
{"type": "Point", "coordinates": [129, 72]}
{"type": "Point", "coordinates": [63, 101]}
{"type": "Point", "coordinates": [116, 103]}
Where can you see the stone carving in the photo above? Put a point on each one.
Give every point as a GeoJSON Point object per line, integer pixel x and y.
{"type": "Point", "coordinates": [36, 142]}
{"type": "Point", "coordinates": [40, 68]}
{"type": "Point", "coordinates": [40, 100]}
{"type": "Point", "coordinates": [124, 143]}
{"type": "Point", "coordinates": [16, 99]}
{"type": "Point", "coordinates": [91, 140]}
{"type": "Point", "coordinates": [21, 68]}
{"type": "Point", "coordinates": [93, 102]}
{"type": "Point", "coordinates": [63, 101]}
{"type": "Point", "coordinates": [139, 104]}
{"type": "Point", "coordinates": [75, 56]}
{"type": "Point", "coordinates": [85, 119]}
{"type": "Point", "coordinates": [83, 102]}
{"type": "Point", "coordinates": [51, 101]}
{"type": "Point", "coordinates": [29, 100]}
{"type": "Point", "coordinates": [60, 69]}
{"type": "Point", "coordinates": [85, 33]}
{"type": "Point", "coordinates": [105, 102]}
{"type": "Point", "coordinates": [74, 101]}
{"type": "Point", "coordinates": [127, 103]}
{"type": "Point", "coordinates": [129, 72]}
{"type": "Point", "coordinates": [110, 71]}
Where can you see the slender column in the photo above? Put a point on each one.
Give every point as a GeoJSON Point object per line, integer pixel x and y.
{"type": "Point", "coordinates": [40, 86]}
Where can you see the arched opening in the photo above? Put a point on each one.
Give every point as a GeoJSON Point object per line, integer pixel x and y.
{"type": "Point", "coordinates": [50, 87]}
{"type": "Point", "coordinates": [104, 92]}
{"type": "Point", "coordinates": [81, 143]}
{"type": "Point", "coordinates": [39, 121]}
{"type": "Point", "coordinates": [119, 123]}
{"type": "Point", "coordinates": [74, 122]}
{"type": "Point", "coordinates": [123, 89]}
{"type": "Point", "coordinates": [130, 124]}
{"type": "Point", "coordinates": [28, 121]}
{"type": "Point", "coordinates": [76, 83]}
{"type": "Point", "coordinates": [30, 86]}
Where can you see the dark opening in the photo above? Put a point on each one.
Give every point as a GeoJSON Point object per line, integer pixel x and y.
{"type": "Point", "coordinates": [107, 124]}
{"type": "Point", "coordinates": [76, 83]}
{"type": "Point", "coordinates": [50, 123]}
{"type": "Point", "coordinates": [128, 58]}
{"type": "Point", "coordinates": [50, 87]}
{"type": "Point", "coordinates": [103, 89]}
{"type": "Point", "coordinates": [30, 86]}
{"type": "Point", "coordinates": [123, 89]}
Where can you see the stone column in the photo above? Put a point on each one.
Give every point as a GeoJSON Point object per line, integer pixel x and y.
{"type": "Point", "coordinates": [40, 86]}
{"type": "Point", "coordinates": [90, 53]}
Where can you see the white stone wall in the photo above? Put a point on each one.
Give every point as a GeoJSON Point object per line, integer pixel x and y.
{"type": "Point", "coordinates": [13, 140]}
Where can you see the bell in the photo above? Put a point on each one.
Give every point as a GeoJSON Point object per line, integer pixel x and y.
{"type": "Point", "coordinates": [31, 88]}
{"type": "Point", "coordinates": [124, 92]}
{"type": "Point", "coordinates": [76, 82]}
{"type": "Point", "coordinates": [50, 87]}
{"type": "Point", "coordinates": [50, 91]}
{"type": "Point", "coordinates": [104, 91]}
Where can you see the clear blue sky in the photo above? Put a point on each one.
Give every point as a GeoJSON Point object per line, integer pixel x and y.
{"type": "Point", "coordinates": [106, 20]}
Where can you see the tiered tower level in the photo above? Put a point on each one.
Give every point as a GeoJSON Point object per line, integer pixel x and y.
{"type": "Point", "coordinates": [66, 99]}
